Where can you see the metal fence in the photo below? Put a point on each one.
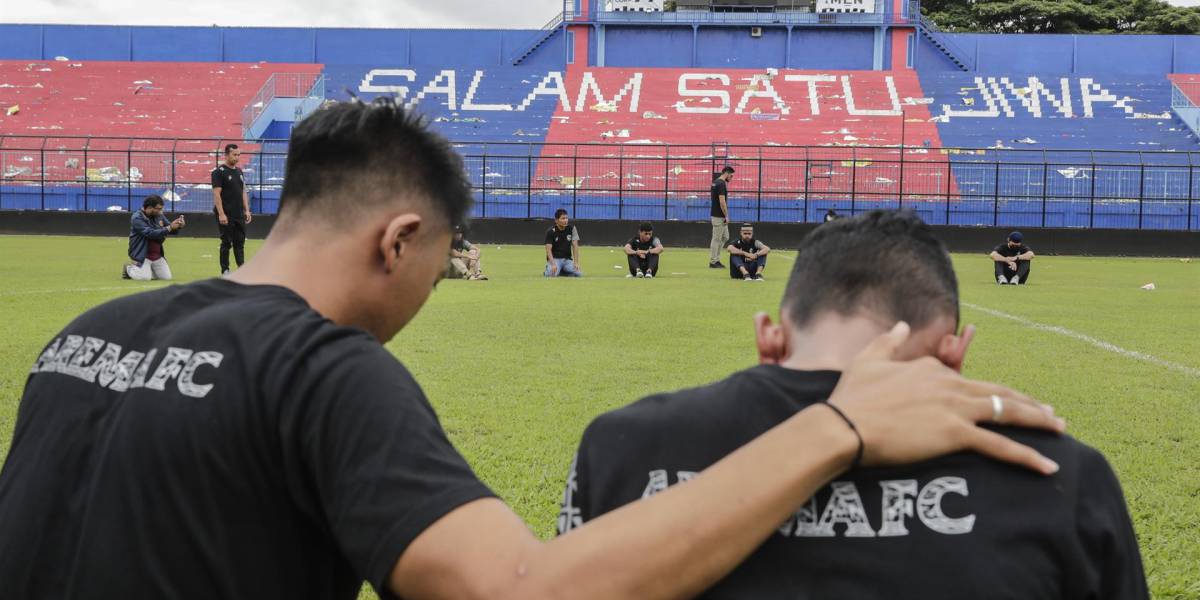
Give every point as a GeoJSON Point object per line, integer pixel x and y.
{"type": "Point", "coordinates": [952, 186]}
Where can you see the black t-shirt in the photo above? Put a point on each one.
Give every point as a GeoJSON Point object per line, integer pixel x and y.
{"type": "Point", "coordinates": [231, 183]}
{"type": "Point", "coordinates": [1005, 250]}
{"type": "Point", "coordinates": [215, 440]}
{"type": "Point", "coordinates": [719, 189]}
{"type": "Point", "coordinates": [637, 244]}
{"type": "Point", "coordinates": [752, 245]}
{"type": "Point", "coordinates": [560, 240]}
{"type": "Point", "coordinates": [955, 527]}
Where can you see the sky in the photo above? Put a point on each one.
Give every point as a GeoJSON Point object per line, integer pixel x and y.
{"type": "Point", "coordinates": [407, 14]}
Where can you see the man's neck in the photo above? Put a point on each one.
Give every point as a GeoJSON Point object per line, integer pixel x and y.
{"type": "Point", "coordinates": [830, 343]}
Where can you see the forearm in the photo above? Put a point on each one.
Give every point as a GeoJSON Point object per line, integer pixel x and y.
{"type": "Point", "coordinates": [1026, 256]}
{"type": "Point", "coordinates": [648, 549]}
{"type": "Point", "coordinates": [549, 254]}
{"type": "Point", "coordinates": [246, 202]}
{"type": "Point", "coordinates": [575, 253]}
{"type": "Point", "coordinates": [998, 258]}
{"type": "Point", "coordinates": [217, 203]}
{"type": "Point", "coordinates": [724, 208]}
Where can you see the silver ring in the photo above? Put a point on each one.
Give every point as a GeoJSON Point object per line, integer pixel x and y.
{"type": "Point", "coordinates": [997, 408]}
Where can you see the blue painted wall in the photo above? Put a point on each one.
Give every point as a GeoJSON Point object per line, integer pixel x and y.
{"type": "Point", "coordinates": [398, 47]}
{"type": "Point", "coordinates": [732, 47]}
{"type": "Point", "coordinates": [1094, 54]}
{"type": "Point", "coordinates": [628, 47]}
{"type": "Point", "coordinates": [830, 49]}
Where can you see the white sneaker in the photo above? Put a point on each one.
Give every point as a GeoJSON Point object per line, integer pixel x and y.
{"type": "Point", "coordinates": [628, 276]}
{"type": "Point", "coordinates": [1016, 280]}
{"type": "Point", "coordinates": [640, 274]}
{"type": "Point", "coordinates": [649, 275]}
{"type": "Point", "coordinates": [1001, 280]}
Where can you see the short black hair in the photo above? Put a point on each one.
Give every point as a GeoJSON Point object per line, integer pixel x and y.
{"type": "Point", "coordinates": [645, 227]}
{"type": "Point", "coordinates": [884, 262]}
{"type": "Point", "coordinates": [727, 169]}
{"type": "Point", "coordinates": [230, 148]}
{"type": "Point", "coordinates": [747, 226]}
{"type": "Point", "coordinates": [560, 212]}
{"type": "Point", "coordinates": [351, 155]}
{"type": "Point", "coordinates": [152, 201]}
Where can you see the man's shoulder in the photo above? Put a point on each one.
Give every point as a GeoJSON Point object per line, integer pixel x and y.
{"type": "Point", "coordinates": [682, 410]}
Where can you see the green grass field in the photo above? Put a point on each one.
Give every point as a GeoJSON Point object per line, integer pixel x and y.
{"type": "Point", "coordinates": [517, 366]}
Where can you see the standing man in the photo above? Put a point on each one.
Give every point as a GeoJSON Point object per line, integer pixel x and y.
{"type": "Point", "coordinates": [748, 255]}
{"type": "Point", "coordinates": [165, 450]}
{"type": "Point", "coordinates": [643, 251]}
{"type": "Point", "coordinates": [464, 258]}
{"type": "Point", "coordinates": [148, 228]}
{"type": "Point", "coordinates": [720, 217]}
{"type": "Point", "coordinates": [1012, 260]}
{"type": "Point", "coordinates": [562, 248]}
{"type": "Point", "coordinates": [231, 205]}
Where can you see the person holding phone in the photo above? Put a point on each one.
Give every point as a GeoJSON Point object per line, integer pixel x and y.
{"type": "Point", "coordinates": [148, 229]}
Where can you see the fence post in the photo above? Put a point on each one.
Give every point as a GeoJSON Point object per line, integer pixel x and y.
{"type": "Point", "coordinates": [483, 182]}
{"type": "Point", "coordinates": [575, 178]}
{"type": "Point", "coordinates": [996, 196]}
{"type": "Point", "coordinates": [758, 200]}
{"type": "Point", "coordinates": [807, 173]}
{"type": "Point", "coordinates": [901, 204]}
{"type": "Point", "coordinates": [1045, 182]}
{"type": "Point", "coordinates": [42, 151]}
{"type": "Point", "coordinates": [1091, 196]}
{"type": "Point", "coordinates": [853, 180]}
{"type": "Point", "coordinates": [1191, 191]}
{"type": "Point", "coordinates": [85, 173]}
{"type": "Point", "coordinates": [528, 181]}
{"type": "Point", "coordinates": [261, 149]}
{"type": "Point", "coordinates": [667, 180]}
{"type": "Point", "coordinates": [129, 177]}
{"type": "Point", "coordinates": [949, 178]}
{"type": "Point", "coordinates": [621, 183]}
{"type": "Point", "coordinates": [174, 194]}
{"type": "Point", "coordinates": [1141, 189]}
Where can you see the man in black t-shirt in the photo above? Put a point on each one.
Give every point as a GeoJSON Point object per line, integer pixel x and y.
{"type": "Point", "coordinates": [562, 248]}
{"type": "Point", "coordinates": [250, 436]}
{"type": "Point", "coordinates": [953, 527]}
{"type": "Point", "coordinates": [719, 210]}
{"type": "Point", "coordinates": [747, 255]}
{"type": "Point", "coordinates": [231, 205]}
{"type": "Point", "coordinates": [643, 251]}
{"type": "Point", "coordinates": [1012, 260]}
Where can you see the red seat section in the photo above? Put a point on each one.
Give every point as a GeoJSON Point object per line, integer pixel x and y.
{"type": "Point", "coordinates": [848, 115]}
{"type": "Point", "coordinates": [131, 99]}
{"type": "Point", "coordinates": [1190, 84]}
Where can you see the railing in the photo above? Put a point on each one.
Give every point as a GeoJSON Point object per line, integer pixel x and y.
{"type": "Point", "coordinates": [283, 85]}
{"type": "Point", "coordinates": [951, 186]}
{"type": "Point", "coordinates": [936, 32]}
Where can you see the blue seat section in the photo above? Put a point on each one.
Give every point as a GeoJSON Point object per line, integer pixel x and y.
{"type": "Point", "coordinates": [473, 125]}
{"type": "Point", "coordinates": [1041, 170]}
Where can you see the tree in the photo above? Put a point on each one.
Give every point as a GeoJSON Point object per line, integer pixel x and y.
{"type": "Point", "coordinates": [1063, 16]}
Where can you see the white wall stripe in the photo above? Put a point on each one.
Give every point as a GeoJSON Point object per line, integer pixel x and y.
{"type": "Point", "coordinates": [1098, 343]}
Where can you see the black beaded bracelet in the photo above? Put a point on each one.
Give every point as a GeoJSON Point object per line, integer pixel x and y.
{"type": "Point", "coordinates": [858, 455]}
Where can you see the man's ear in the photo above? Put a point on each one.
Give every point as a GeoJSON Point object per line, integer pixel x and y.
{"type": "Point", "coordinates": [952, 349]}
{"type": "Point", "coordinates": [397, 235]}
{"type": "Point", "coordinates": [771, 340]}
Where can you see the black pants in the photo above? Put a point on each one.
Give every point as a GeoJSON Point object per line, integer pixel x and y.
{"type": "Point", "coordinates": [648, 265]}
{"type": "Point", "coordinates": [233, 236]}
{"type": "Point", "coordinates": [1022, 272]}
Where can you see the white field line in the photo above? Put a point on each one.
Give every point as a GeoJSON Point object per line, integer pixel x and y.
{"type": "Point", "coordinates": [1098, 343]}
{"type": "Point", "coordinates": [79, 290]}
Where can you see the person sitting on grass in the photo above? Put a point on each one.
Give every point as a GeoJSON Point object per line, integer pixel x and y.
{"type": "Point", "coordinates": [643, 251]}
{"type": "Point", "coordinates": [464, 258]}
{"type": "Point", "coordinates": [148, 229]}
{"type": "Point", "coordinates": [748, 256]}
{"type": "Point", "coordinates": [954, 527]}
{"type": "Point", "coordinates": [562, 248]}
{"type": "Point", "coordinates": [1012, 260]}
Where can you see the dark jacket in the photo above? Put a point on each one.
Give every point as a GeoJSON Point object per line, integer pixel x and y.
{"type": "Point", "coordinates": [142, 229]}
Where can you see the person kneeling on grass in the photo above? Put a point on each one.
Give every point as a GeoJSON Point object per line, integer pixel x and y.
{"type": "Point", "coordinates": [148, 228]}
{"type": "Point", "coordinates": [562, 248]}
{"type": "Point", "coordinates": [464, 259]}
{"type": "Point", "coordinates": [643, 251]}
{"type": "Point", "coordinates": [748, 256]}
{"type": "Point", "coordinates": [954, 527]}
